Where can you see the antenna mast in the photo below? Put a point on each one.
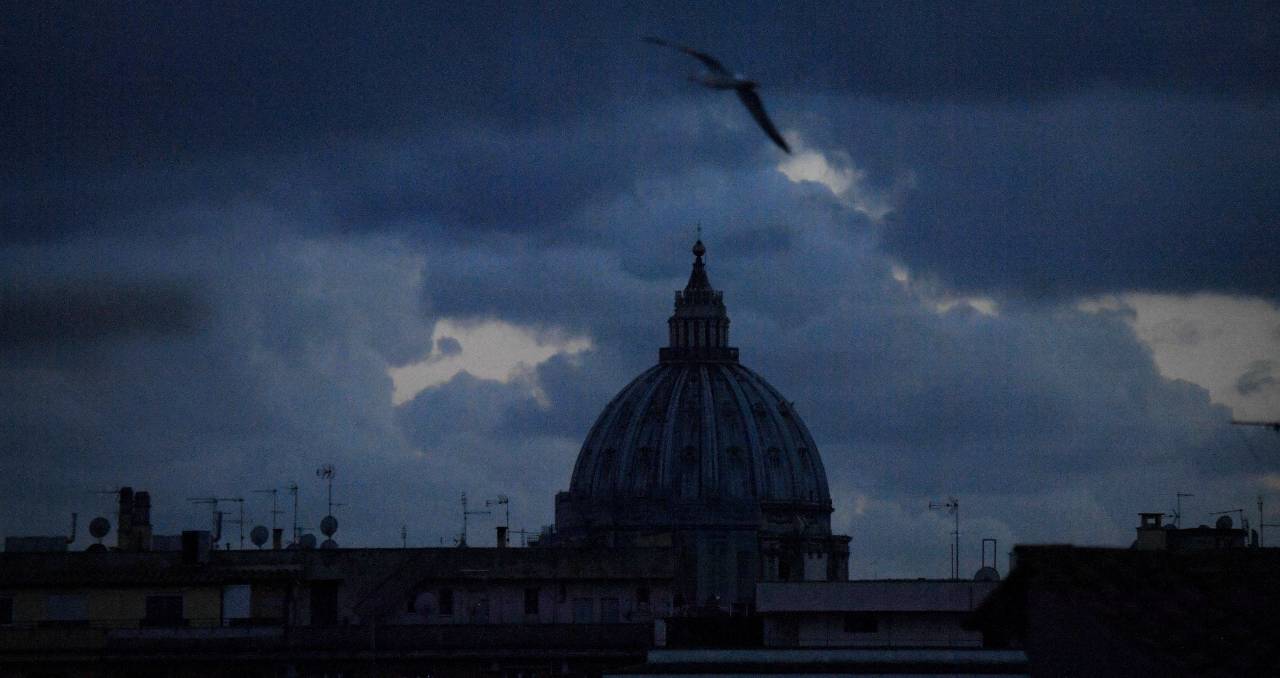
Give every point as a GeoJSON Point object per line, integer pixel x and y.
{"type": "Point", "coordinates": [952, 505]}
{"type": "Point", "coordinates": [504, 502]}
{"type": "Point", "coordinates": [462, 541]}
{"type": "Point", "coordinates": [274, 511]}
{"type": "Point", "coordinates": [216, 533]}
{"type": "Point", "coordinates": [293, 490]}
{"type": "Point", "coordinates": [1263, 524]}
{"type": "Point", "coordinates": [239, 521]}
{"type": "Point", "coordinates": [1177, 512]}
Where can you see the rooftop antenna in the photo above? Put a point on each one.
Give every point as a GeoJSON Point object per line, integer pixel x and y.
{"type": "Point", "coordinates": [293, 490]}
{"type": "Point", "coordinates": [952, 505]}
{"type": "Point", "coordinates": [1263, 524]}
{"type": "Point", "coordinates": [212, 502]}
{"type": "Point", "coordinates": [1177, 512]}
{"type": "Point", "coordinates": [462, 541]}
{"type": "Point", "coordinates": [274, 511]}
{"type": "Point", "coordinates": [404, 536]}
{"type": "Point", "coordinates": [524, 535]}
{"type": "Point", "coordinates": [1226, 525]}
{"type": "Point", "coordinates": [326, 473]}
{"type": "Point", "coordinates": [503, 501]}
{"type": "Point", "coordinates": [239, 522]}
{"type": "Point", "coordinates": [1273, 425]}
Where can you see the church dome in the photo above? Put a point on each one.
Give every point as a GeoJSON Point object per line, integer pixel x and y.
{"type": "Point", "coordinates": [699, 428]}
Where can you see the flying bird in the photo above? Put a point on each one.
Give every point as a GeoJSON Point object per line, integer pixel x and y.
{"type": "Point", "coordinates": [718, 77]}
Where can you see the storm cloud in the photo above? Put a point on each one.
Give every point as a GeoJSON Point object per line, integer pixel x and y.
{"type": "Point", "coordinates": [225, 224]}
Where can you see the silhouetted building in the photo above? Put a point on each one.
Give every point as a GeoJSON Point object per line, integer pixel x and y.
{"type": "Point", "coordinates": [911, 613]}
{"type": "Point", "coordinates": [1155, 534]}
{"type": "Point", "coordinates": [1131, 612]}
{"type": "Point", "coordinates": [446, 611]}
{"type": "Point", "coordinates": [701, 454]}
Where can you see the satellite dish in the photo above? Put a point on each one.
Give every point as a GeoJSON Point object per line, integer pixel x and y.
{"type": "Point", "coordinates": [292, 547]}
{"type": "Point", "coordinates": [308, 541]}
{"type": "Point", "coordinates": [1224, 523]}
{"type": "Point", "coordinates": [987, 573]}
{"type": "Point", "coordinates": [328, 526]}
{"type": "Point", "coordinates": [99, 527]}
{"type": "Point", "coordinates": [96, 548]}
{"type": "Point", "coordinates": [328, 544]}
{"type": "Point", "coordinates": [259, 535]}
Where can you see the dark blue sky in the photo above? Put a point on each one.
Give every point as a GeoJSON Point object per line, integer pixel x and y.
{"type": "Point", "coordinates": [223, 225]}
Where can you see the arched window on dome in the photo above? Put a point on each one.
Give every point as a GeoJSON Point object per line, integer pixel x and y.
{"type": "Point", "coordinates": [775, 474]}
{"type": "Point", "coordinates": [810, 475]}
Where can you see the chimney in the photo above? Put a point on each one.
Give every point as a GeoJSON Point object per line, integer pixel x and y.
{"type": "Point", "coordinates": [502, 536]}
{"type": "Point", "coordinates": [124, 531]}
{"type": "Point", "coordinates": [195, 547]}
{"type": "Point", "coordinates": [1152, 532]}
{"type": "Point", "coordinates": [277, 536]}
{"type": "Point", "coordinates": [142, 521]}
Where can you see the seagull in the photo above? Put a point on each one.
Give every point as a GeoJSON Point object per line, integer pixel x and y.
{"type": "Point", "coordinates": [718, 77]}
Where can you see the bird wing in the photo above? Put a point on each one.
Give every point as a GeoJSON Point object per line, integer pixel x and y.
{"type": "Point", "coordinates": [753, 104]}
{"type": "Point", "coordinates": [709, 61]}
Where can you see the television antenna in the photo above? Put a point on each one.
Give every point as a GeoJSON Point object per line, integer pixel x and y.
{"type": "Point", "coordinates": [1177, 511]}
{"type": "Point", "coordinates": [952, 506]}
{"type": "Point", "coordinates": [524, 535]}
{"type": "Point", "coordinates": [293, 490]}
{"type": "Point", "coordinates": [239, 522]}
{"type": "Point", "coordinates": [212, 502]}
{"type": "Point", "coordinates": [504, 502]}
{"type": "Point", "coordinates": [326, 473]}
{"type": "Point", "coordinates": [1263, 524]}
{"type": "Point", "coordinates": [275, 493]}
{"type": "Point", "coordinates": [1244, 522]}
{"type": "Point", "coordinates": [462, 540]}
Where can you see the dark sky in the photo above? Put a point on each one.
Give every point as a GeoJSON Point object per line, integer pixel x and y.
{"type": "Point", "coordinates": [223, 224]}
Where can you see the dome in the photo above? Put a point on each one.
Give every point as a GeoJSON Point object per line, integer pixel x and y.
{"type": "Point", "coordinates": [700, 428]}
{"type": "Point", "coordinates": [698, 431]}
{"type": "Point", "coordinates": [701, 455]}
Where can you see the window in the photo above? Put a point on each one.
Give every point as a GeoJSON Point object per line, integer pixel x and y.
{"type": "Point", "coordinates": [531, 596]}
{"type": "Point", "coordinates": [609, 611]}
{"type": "Point", "coordinates": [445, 599]}
{"type": "Point", "coordinates": [642, 595]}
{"type": "Point", "coordinates": [324, 603]}
{"type": "Point", "coordinates": [164, 610]}
{"type": "Point", "coordinates": [861, 622]}
{"type": "Point", "coordinates": [6, 611]}
{"type": "Point", "coordinates": [582, 610]}
{"type": "Point", "coordinates": [235, 603]}
{"type": "Point", "coordinates": [67, 608]}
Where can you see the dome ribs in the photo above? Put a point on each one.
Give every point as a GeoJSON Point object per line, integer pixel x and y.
{"type": "Point", "coordinates": [754, 447]}
{"type": "Point", "coordinates": [708, 458]}
{"type": "Point", "coordinates": [620, 476]}
{"type": "Point", "coordinates": [667, 465]}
